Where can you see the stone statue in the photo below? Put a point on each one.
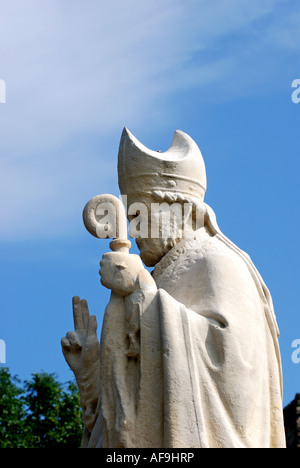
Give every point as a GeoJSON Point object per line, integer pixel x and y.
{"type": "Point", "coordinates": [189, 354]}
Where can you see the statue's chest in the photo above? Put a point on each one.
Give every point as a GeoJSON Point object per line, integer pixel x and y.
{"type": "Point", "coordinates": [185, 274]}
{"type": "Point", "coordinates": [181, 278]}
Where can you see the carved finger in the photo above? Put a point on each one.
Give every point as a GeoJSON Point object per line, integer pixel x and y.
{"type": "Point", "coordinates": [92, 326]}
{"type": "Point", "coordinates": [74, 340]}
{"type": "Point", "coordinates": [85, 313]}
{"type": "Point", "coordinates": [65, 344]}
{"type": "Point", "coordinates": [77, 313]}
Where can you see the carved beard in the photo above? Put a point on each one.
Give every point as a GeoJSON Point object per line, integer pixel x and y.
{"type": "Point", "coordinates": [153, 250]}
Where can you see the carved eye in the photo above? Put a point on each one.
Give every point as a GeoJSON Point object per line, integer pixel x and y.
{"type": "Point", "coordinates": [120, 267]}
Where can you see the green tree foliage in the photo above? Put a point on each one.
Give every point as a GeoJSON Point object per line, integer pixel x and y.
{"type": "Point", "coordinates": [42, 413]}
{"type": "Point", "coordinates": [12, 413]}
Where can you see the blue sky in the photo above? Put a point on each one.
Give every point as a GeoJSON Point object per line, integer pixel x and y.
{"type": "Point", "coordinates": [78, 72]}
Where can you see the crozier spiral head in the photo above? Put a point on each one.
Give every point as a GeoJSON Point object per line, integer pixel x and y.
{"type": "Point", "coordinates": [104, 217]}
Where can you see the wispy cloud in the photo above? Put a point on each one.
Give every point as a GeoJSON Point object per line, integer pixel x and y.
{"type": "Point", "coordinates": [77, 72]}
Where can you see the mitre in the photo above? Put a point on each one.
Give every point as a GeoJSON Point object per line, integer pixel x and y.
{"type": "Point", "coordinates": [180, 169]}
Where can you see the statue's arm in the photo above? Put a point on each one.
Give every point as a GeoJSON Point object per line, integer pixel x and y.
{"type": "Point", "coordinates": [81, 350]}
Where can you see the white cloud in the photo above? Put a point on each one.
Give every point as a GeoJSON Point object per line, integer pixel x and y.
{"type": "Point", "coordinates": [80, 71]}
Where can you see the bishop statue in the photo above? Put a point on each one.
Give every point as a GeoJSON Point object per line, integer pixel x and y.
{"type": "Point", "coordinates": [189, 354]}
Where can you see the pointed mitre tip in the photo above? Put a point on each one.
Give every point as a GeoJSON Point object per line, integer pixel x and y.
{"type": "Point", "coordinates": [183, 140]}
{"type": "Point", "coordinates": [182, 135]}
{"type": "Point", "coordinates": [128, 137]}
{"type": "Point", "coordinates": [126, 134]}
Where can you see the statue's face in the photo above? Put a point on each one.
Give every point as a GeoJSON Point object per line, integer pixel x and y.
{"type": "Point", "coordinates": [156, 240]}
{"type": "Point", "coordinates": [153, 250]}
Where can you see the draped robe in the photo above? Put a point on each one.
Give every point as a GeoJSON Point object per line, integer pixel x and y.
{"type": "Point", "coordinates": [194, 363]}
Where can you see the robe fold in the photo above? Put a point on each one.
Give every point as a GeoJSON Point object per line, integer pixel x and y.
{"type": "Point", "coordinates": [194, 363]}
